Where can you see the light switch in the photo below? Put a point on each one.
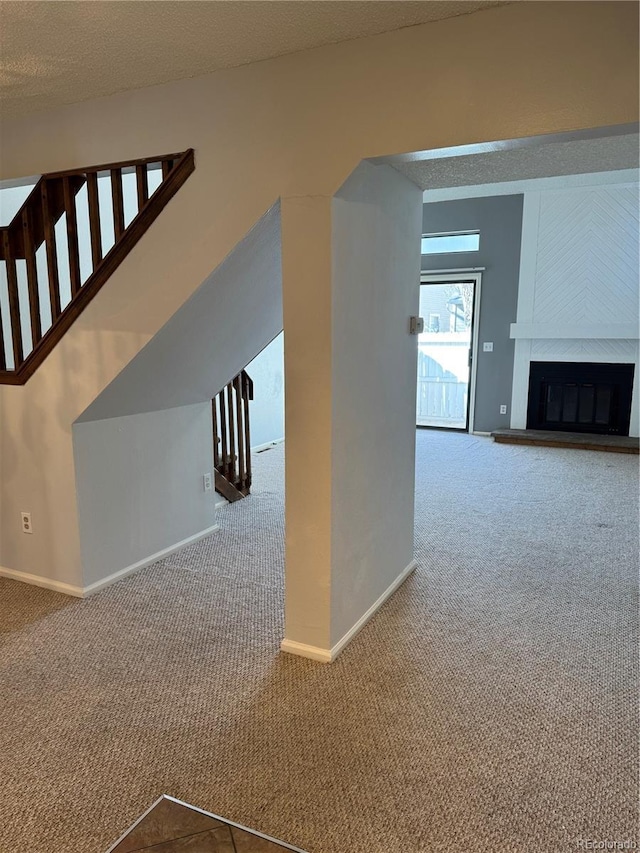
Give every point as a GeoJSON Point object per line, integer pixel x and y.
{"type": "Point", "coordinates": [487, 346]}
{"type": "Point", "coordinates": [416, 325]}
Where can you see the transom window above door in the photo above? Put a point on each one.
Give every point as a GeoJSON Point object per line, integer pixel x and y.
{"type": "Point", "coordinates": [447, 243]}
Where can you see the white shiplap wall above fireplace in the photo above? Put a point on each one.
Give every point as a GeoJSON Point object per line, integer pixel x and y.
{"type": "Point", "coordinates": [579, 283]}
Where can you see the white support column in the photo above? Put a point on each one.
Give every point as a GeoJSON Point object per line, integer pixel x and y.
{"type": "Point", "coordinates": [351, 268]}
{"type": "Point", "coordinates": [377, 225]}
{"type": "Point", "coordinates": [306, 284]}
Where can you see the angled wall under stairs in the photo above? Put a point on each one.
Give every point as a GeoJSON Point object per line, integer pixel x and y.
{"type": "Point", "coordinates": [142, 447]}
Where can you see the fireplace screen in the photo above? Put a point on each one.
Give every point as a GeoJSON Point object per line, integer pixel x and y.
{"type": "Point", "coordinates": [580, 397]}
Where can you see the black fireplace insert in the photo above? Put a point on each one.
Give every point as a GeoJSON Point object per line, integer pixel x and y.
{"type": "Point", "coordinates": [580, 397]}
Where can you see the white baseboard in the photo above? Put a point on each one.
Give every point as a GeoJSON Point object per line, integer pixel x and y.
{"type": "Point", "coordinates": [362, 621]}
{"type": "Point", "coordinates": [36, 580]}
{"type": "Point", "coordinates": [84, 592]}
{"type": "Point", "coordinates": [147, 561]}
{"type": "Point", "coordinates": [304, 651]}
{"type": "Point", "coordinates": [480, 432]}
{"type": "Point", "coordinates": [260, 447]}
{"type": "Point", "coordinates": [329, 655]}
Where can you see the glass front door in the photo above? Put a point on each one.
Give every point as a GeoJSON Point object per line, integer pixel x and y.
{"type": "Point", "coordinates": [444, 354]}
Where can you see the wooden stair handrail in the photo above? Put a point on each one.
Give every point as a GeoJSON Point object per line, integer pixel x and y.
{"type": "Point", "coordinates": [52, 196]}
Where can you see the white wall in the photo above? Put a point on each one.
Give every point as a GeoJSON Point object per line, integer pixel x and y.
{"type": "Point", "coordinates": [140, 487]}
{"type": "Point", "coordinates": [377, 223]}
{"type": "Point", "coordinates": [230, 318]}
{"type": "Point", "coordinates": [267, 407]}
{"type": "Point", "coordinates": [578, 297]}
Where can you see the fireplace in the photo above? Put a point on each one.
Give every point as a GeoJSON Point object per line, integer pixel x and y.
{"type": "Point", "coordinates": [580, 397]}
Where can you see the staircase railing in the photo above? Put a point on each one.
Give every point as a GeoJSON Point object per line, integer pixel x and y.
{"type": "Point", "coordinates": [54, 268]}
{"type": "Point", "coordinates": [232, 438]}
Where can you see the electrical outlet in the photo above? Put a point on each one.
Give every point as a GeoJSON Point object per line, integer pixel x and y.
{"type": "Point", "coordinates": [503, 409]}
{"type": "Point", "coordinates": [26, 522]}
{"type": "Point", "coordinates": [487, 346]}
{"type": "Point", "coordinates": [206, 482]}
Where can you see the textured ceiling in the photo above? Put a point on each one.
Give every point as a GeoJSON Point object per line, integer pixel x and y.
{"type": "Point", "coordinates": [54, 53]}
{"type": "Point", "coordinates": [575, 157]}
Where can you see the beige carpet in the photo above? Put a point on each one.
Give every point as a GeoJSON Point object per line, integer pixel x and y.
{"type": "Point", "coordinates": [490, 706]}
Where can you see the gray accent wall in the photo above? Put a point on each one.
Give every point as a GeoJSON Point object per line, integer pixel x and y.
{"type": "Point", "coordinates": [499, 220]}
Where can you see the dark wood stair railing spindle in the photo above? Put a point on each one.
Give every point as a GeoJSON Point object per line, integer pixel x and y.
{"type": "Point", "coordinates": [118, 203]}
{"type": "Point", "coordinates": [14, 303]}
{"type": "Point", "coordinates": [94, 219]}
{"type": "Point", "coordinates": [48, 227]}
{"type": "Point", "coordinates": [247, 394]}
{"type": "Point", "coordinates": [142, 185]}
{"type": "Point", "coordinates": [216, 438]}
{"type": "Point", "coordinates": [3, 358]}
{"type": "Point", "coordinates": [241, 467]}
{"type": "Point", "coordinates": [223, 433]}
{"type": "Point", "coordinates": [32, 277]}
{"type": "Point", "coordinates": [231, 459]}
{"type": "Point", "coordinates": [72, 235]}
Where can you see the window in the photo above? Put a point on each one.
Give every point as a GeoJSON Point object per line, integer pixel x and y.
{"type": "Point", "coordinates": [442, 244]}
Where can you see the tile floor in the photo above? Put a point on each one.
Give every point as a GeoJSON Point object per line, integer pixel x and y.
{"type": "Point", "coordinates": [171, 826]}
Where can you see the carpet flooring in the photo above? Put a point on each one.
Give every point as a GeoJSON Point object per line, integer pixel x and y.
{"type": "Point", "coordinates": [491, 705]}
